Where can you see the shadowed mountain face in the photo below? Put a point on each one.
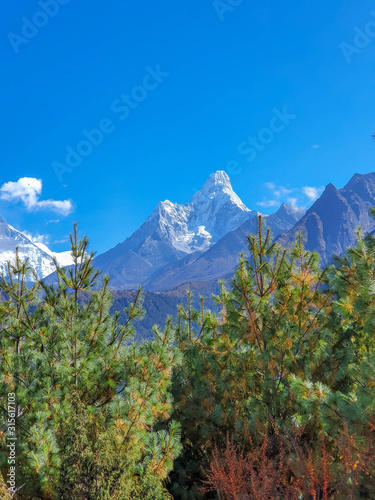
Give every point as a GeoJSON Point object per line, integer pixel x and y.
{"type": "Point", "coordinates": [175, 231]}
{"type": "Point", "coordinates": [328, 227]}
{"type": "Point", "coordinates": [179, 247]}
{"type": "Point", "coordinates": [222, 258]}
{"type": "Point", "coordinates": [39, 256]}
{"type": "Point", "coordinates": [196, 241]}
{"type": "Point", "coordinates": [195, 245]}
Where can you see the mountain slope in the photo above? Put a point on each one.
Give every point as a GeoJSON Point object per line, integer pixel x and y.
{"type": "Point", "coordinates": [173, 231]}
{"type": "Point", "coordinates": [328, 227]}
{"type": "Point", "coordinates": [223, 257]}
{"type": "Point", "coordinates": [10, 239]}
{"type": "Point", "coordinates": [63, 258]}
{"type": "Point", "coordinates": [38, 254]}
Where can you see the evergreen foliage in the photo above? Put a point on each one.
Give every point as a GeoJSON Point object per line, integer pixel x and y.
{"type": "Point", "coordinates": [4, 492]}
{"type": "Point", "coordinates": [273, 397]}
{"type": "Point", "coordinates": [288, 357]}
{"type": "Point", "coordinates": [92, 408]}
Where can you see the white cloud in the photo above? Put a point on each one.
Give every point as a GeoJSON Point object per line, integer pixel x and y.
{"type": "Point", "coordinates": [293, 196]}
{"type": "Point", "coordinates": [315, 146]}
{"type": "Point", "coordinates": [282, 191]}
{"type": "Point", "coordinates": [293, 202]}
{"type": "Point", "coordinates": [268, 203]}
{"type": "Point", "coordinates": [28, 190]}
{"type": "Point", "coordinates": [270, 185]}
{"type": "Point", "coordinates": [62, 207]}
{"type": "Point", "coordinates": [37, 238]}
{"type": "Point", "coordinates": [311, 192]}
{"type": "Point", "coordinates": [278, 191]}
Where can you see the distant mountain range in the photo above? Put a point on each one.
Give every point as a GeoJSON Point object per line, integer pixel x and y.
{"type": "Point", "coordinates": [328, 227]}
{"type": "Point", "coordinates": [166, 253]}
{"type": "Point", "coordinates": [39, 255]}
{"type": "Point", "coordinates": [173, 232]}
{"type": "Point", "coordinates": [221, 258]}
{"type": "Point", "coordinates": [198, 241]}
{"type": "Point", "coordinates": [196, 244]}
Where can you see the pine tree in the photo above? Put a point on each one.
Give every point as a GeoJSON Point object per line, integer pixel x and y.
{"type": "Point", "coordinates": [4, 492]}
{"type": "Point", "coordinates": [291, 359]}
{"type": "Point", "coordinates": [98, 406]}
{"type": "Point", "coordinates": [18, 322]}
{"type": "Point", "coordinates": [239, 374]}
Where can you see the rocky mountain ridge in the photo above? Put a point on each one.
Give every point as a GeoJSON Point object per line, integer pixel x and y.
{"type": "Point", "coordinates": [178, 243]}
{"type": "Point", "coordinates": [38, 254]}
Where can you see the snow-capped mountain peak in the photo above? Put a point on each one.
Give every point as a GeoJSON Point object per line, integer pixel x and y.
{"type": "Point", "coordinates": [214, 210]}
{"type": "Point", "coordinates": [173, 231]}
{"type": "Point", "coordinates": [218, 208]}
{"type": "Point", "coordinates": [63, 258]}
{"type": "Point", "coordinates": [218, 188]}
{"type": "Point", "coordinates": [38, 254]}
{"type": "Point", "coordinates": [218, 178]}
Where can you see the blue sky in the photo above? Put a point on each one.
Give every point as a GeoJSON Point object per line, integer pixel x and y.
{"type": "Point", "coordinates": [219, 75]}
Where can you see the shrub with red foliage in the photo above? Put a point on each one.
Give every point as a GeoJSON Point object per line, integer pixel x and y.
{"type": "Point", "coordinates": [284, 469]}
